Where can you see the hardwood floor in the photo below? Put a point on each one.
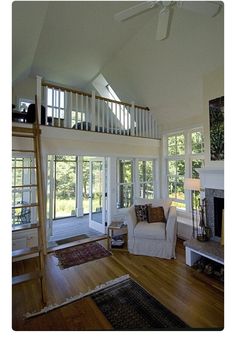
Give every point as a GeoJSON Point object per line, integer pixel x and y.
{"type": "Point", "coordinates": [174, 284]}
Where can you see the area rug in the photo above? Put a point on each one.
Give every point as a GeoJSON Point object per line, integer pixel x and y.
{"type": "Point", "coordinates": [71, 239]}
{"type": "Point", "coordinates": [127, 306]}
{"type": "Point", "coordinates": [80, 254]}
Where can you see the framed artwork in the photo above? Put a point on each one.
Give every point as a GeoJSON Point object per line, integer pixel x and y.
{"type": "Point", "coordinates": [216, 113]}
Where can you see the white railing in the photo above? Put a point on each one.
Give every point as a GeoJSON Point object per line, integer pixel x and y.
{"type": "Point", "coordinates": [69, 108]}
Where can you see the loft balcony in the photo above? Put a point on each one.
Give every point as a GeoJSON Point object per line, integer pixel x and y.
{"type": "Point", "coordinates": [68, 108]}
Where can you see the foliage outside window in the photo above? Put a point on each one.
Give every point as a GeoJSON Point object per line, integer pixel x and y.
{"type": "Point", "coordinates": [185, 154]}
{"type": "Point", "coordinates": [197, 149]}
{"type": "Point", "coordinates": [23, 176]}
{"type": "Point", "coordinates": [125, 183]}
{"type": "Point", "coordinates": [145, 172]}
{"type": "Point", "coordinates": [176, 169]}
{"type": "Point", "coordinates": [65, 186]}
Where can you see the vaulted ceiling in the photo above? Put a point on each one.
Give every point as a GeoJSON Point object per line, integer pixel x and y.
{"type": "Point", "coordinates": [70, 43]}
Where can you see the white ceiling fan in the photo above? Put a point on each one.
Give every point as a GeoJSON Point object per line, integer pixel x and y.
{"type": "Point", "coordinates": [208, 8]}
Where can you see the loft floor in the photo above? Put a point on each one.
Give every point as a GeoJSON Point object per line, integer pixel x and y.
{"type": "Point", "coordinates": [172, 282]}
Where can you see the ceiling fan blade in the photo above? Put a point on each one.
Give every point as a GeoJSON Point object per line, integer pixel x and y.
{"type": "Point", "coordinates": [163, 23]}
{"type": "Point", "coordinates": [134, 10]}
{"type": "Point", "coordinates": [208, 8]}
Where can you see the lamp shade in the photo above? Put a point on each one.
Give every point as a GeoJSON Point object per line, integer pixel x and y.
{"type": "Point", "coordinates": [192, 184]}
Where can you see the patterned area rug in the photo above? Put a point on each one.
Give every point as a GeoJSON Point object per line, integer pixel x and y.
{"type": "Point", "coordinates": [127, 306]}
{"type": "Point", "coordinates": [80, 254]}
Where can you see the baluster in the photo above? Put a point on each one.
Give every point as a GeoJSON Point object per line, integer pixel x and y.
{"type": "Point", "coordinates": [39, 99]}
{"type": "Point", "coordinates": [143, 122]}
{"type": "Point", "coordinates": [66, 111]}
{"type": "Point", "coordinates": [120, 126]}
{"type": "Point", "coordinates": [82, 112]}
{"type": "Point", "coordinates": [103, 114]}
{"type": "Point", "coordinates": [98, 115]}
{"type": "Point", "coordinates": [87, 112]}
{"type": "Point", "coordinates": [132, 119]}
{"type": "Point", "coordinates": [123, 121]}
{"type": "Point", "coordinates": [92, 116]}
{"type": "Point", "coordinates": [107, 114]}
{"type": "Point", "coordinates": [59, 108]}
{"type": "Point", "coordinates": [76, 111]}
{"type": "Point", "coordinates": [46, 103]}
{"type": "Point", "coordinates": [116, 118]}
{"type": "Point", "coordinates": [140, 122]}
{"type": "Point", "coordinates": [53, 107]}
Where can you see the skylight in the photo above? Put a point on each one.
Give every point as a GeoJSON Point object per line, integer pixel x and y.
{"type": "Point", "coordinates": [105, 90]}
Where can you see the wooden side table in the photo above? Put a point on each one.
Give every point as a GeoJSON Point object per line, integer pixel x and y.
{"type": "Point", "coordinates": [115, 229]}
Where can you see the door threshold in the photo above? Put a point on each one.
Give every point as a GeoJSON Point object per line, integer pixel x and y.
{"type": "Point", "coordinates": [76, 242]}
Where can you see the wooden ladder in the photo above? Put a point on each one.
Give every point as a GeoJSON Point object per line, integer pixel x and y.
{"type": "Point", "coordinates": [31, 133]}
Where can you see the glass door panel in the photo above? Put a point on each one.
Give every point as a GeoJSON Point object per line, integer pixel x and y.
{"type": "Point", "coordinates": [97, 195]}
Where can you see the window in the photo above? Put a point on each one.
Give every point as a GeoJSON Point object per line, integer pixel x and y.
{"type": "Point", "coordinates": [55, 103]}
{"type": "Point", "coordinates": [23, 189]}
{"type": "Point", "coordinates": [184, 155]}
{"type": "Point", "coordinates": [24, 104]}
{"type": "Point", "coordinates": [106, 90]}
{"type": "Point", "coordinates": [197, 160]}
{"type": "Point", "coordinates": [176, 169]}
{"type": "Point", "coordinates": [125, 186]}
{"type": "Point", "coordinates": [145, 175]}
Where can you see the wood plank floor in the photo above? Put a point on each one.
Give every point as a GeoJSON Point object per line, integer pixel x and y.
{"type": "Point", "coordinates": [197, 303]}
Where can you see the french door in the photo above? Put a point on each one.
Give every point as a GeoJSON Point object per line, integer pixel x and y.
{"type": "Point", "coordinates": [97, 197]}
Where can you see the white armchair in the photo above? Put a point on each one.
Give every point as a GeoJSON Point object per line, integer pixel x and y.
{"type": "Point", "coordinates": [153, 239]}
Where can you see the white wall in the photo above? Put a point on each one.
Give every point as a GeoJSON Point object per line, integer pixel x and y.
{"type": "Point", "coordinates": [24, 89]}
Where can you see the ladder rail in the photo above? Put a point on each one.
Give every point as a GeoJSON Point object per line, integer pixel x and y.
{"type": "Point", "coordinates": [34, 133]}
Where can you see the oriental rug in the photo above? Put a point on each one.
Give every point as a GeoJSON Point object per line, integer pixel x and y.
{"type": "Point", "coordinates": [80, 254]}
{"type": "Point", "coordinates": [127, 306]}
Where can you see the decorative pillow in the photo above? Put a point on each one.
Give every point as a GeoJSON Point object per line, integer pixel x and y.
{"type": "Point", "coordinates": [155, 214]}
{"type": "Point", "coordinates": [141, 212]}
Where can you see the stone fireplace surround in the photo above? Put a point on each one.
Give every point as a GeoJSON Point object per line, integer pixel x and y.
{"type": "Point", "coordinates": [212, 186]}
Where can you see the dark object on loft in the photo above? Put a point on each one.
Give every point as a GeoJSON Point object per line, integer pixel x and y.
{"type": "Point", "coordinates": [30, 116]}
{"type": "Point", "coordinates": [88, 127]}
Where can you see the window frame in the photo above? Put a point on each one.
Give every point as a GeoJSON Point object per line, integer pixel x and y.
{"type": "Point", "coordinates": [124, 184]}
{"type": "Point", "coordinates": [188, 157]}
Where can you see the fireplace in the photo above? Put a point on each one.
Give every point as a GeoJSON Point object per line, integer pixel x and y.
{"type": "Point", "coordinates": [214, 209]}
{"type": "Point", "coordinates": [218, 210]}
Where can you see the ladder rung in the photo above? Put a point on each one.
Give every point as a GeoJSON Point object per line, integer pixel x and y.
{"type": "Point", "coordinates": [24, 252]}
{"type": "Point", "coordinates": [25, 186]}
{"type": "Point", "coordinates": [25, 167]}
{"type": "Point", "coordinates": [26, 205]}
{"type": "Point", "coordinates": [26, 277]}
{"type": "Point", "coordinates": [24, 227]}
{"type": "Point", "coordinates": [21, 135]}
{"type": "Point", "coordinates": [22, 130]}
{"type": "Point", "coordinates": [23, 150]}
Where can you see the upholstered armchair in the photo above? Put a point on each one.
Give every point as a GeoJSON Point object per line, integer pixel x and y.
{"type": "Point", "coordinates": [156, 239]}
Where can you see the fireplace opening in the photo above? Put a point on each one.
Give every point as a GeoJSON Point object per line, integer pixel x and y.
{"type": "Point", "coordinates": [218, 208]}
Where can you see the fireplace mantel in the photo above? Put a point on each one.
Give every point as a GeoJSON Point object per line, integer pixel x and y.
{"type": "Point", "coordinates": [211, 177]}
